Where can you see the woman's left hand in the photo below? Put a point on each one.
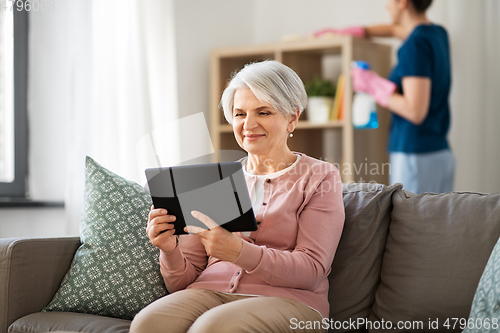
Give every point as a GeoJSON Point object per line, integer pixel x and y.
{"type": "Point", "coordinates": [218, 242]}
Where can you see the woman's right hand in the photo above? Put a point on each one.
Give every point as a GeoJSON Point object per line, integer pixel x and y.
{"type": "Point", "coordinates": [161, 230]}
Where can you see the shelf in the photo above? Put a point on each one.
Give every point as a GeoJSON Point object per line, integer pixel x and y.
{"type": "Point", "coordinates": [322, 45]}
{"type": "Point", "coordinates": [329, 124]}
{"type": "Point", "coordinates": [226, 128]}
{"type": "Point", "coordinates": [331, 45]}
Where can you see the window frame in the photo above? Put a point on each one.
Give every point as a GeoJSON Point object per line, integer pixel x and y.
{"type": "Point", "coordinates": [17, 188]}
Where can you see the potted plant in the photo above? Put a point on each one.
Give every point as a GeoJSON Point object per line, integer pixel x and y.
{"type": "Point", "coordinates": [320, 95]}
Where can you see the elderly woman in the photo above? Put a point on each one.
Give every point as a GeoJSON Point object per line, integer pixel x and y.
{"type": "Point", "coordinates": [273, 279]}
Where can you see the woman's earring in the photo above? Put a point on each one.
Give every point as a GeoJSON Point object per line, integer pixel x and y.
{"type": "Point", "coordinates": [290, 134]}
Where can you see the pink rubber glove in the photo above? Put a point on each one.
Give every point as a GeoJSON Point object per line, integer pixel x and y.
{"type": "Point", "coordinates": [370, 82]}
{"type": "Point", "coordinates": [351, 31]}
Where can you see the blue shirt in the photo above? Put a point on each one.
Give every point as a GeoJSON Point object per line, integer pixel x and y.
{"type": "Point", "coordinates": [425, 53]}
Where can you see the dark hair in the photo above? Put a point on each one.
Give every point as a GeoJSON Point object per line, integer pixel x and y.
{"type": "Point", "coordinates": [421, 5]}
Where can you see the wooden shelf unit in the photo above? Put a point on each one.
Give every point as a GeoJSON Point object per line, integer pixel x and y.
{"type": "Point", "coordinates": [359, 154]}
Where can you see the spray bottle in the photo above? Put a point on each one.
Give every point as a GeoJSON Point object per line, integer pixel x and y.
{"type": "Point", "coordinates": [364, 107]}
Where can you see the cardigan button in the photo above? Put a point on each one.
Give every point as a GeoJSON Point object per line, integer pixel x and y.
{"type": "Point", "coordinates": [269, 180]}
{"type": "Point", "coordinates": [264, 203]}
{"type": "Point", "coordinates": [258, 222]}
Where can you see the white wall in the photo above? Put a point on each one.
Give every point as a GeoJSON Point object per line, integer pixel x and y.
{"type": "Point", "coordinates": [475, 101]}
{"type": "Point", "coordinates": [201, 26]}
{"type": "Point", "coordinates": [32, 222]}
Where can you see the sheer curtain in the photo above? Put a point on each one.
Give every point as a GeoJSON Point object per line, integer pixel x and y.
{"type": "Point", "coordinates": [123, 87]}
{"type": "Point", "coordinates": [474, 29]}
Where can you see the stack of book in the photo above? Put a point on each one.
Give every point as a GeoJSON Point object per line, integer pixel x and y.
{"type": "Point", "coordinates": [337, 112]}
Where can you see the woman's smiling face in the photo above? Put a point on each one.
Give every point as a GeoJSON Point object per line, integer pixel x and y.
{"type": "Point", "coordinates": [258, 128]}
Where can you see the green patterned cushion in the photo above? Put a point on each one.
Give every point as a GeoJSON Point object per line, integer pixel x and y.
{"type": "Point", "coordinates": [116, 270]}
{"type": "Point", "coordinates": [485, 312]}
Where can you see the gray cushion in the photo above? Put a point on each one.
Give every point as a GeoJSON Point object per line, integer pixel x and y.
{"type": "Point", "coordinates": [67, 321]}
{"type": "Point", "coordinates": [356, 268]}
{"type": "Point", "coordinates": [437, 248]}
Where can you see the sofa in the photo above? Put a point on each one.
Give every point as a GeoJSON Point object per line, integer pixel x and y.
{"type": "Point", "coordinates": [405, 263]}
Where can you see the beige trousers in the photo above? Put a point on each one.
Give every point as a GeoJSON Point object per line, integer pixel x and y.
{"type": "Point", "coordinates": [199, 310]}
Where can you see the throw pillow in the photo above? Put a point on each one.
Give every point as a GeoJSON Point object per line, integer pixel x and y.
{"type": "Point", "coordinates": [116, 270]}
{"type": "Point", "coordinates": [356, 267]}
{"type": "Point", "coordinates": [485, 312]}
{"type": "Point", "coordinates": [436, 251]}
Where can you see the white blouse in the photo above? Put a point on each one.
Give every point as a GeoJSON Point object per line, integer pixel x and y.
{"type": "Point", "coordinates": [257, 195]}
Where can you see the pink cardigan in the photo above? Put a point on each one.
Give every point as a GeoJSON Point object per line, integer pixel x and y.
{"type": "Point", "coordinates": [290, 255]}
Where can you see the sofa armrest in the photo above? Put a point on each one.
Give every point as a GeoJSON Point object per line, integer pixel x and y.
{"type": "Point", "coordinates": [31, 271]}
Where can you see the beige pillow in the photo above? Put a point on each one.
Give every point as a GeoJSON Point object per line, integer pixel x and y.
{"type": "Point", "coordinates": [356, 267]}
{"type": "Point", "coordinates": [437, 248]}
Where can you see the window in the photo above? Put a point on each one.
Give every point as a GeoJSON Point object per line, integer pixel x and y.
{"type": "Point", "coordinates": [6, 97]}
{"type": "Point", "coordinates": [13, 88]}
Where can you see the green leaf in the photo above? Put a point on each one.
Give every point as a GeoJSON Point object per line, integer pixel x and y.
{"type": "Point", "coordinates": [320, 87]}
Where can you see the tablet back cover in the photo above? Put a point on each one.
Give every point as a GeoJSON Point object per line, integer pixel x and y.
{"type": "Point", "coordinates": [218, 190]}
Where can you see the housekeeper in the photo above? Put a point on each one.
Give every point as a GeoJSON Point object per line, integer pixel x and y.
{"type": "Point", "coordinates": [274, 279]}
{"type": "Point", "coordinates": [417, 94]}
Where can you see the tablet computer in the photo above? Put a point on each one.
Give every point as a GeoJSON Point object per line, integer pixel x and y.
{"type": "Point", "coordinates": [217, 190]}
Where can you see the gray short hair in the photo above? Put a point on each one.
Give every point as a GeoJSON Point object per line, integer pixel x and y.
{"type": "Point", "coordinates": [271, 82]}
